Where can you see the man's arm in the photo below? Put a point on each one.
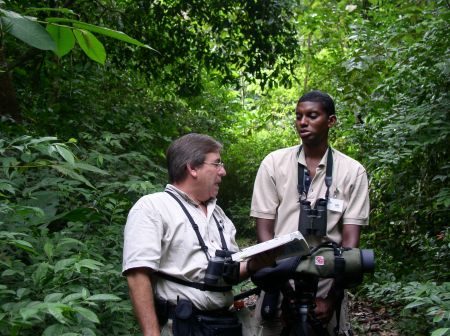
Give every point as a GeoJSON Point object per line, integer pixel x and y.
{"type": "Point", "coordinates": [265, 229]}
{"type": "Point", "coordinates": [141, 294]}
{"type": "Point", "coordinates": [350, 235]}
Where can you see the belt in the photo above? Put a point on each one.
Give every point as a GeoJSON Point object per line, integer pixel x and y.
{"type": "Point", "coordinates": [221, 312]}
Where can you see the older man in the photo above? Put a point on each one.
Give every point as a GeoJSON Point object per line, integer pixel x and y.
{"type": "Point", "coordinates": [171, 238]}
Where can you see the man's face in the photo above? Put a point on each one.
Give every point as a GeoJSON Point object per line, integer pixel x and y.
{"type": "Point", "coordinates": [313, 123]}
{"type": "Point", "coordinates": [210, 175]}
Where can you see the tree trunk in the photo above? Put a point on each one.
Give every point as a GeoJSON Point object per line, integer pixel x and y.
{"type": "Point", "coordinates": [9, 106]}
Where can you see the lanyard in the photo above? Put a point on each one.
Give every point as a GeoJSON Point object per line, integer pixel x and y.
{"type": "Point", "coordinates": [302, 191]}
{"type": "Point", "coordinates": [197, 231]}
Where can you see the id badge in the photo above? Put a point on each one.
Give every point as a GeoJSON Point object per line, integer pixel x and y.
{"type": "Point", "coordinates": [335, 205]}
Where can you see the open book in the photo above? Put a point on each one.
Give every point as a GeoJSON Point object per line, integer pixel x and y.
{"type": "Point", "coordinates": [292, 243]}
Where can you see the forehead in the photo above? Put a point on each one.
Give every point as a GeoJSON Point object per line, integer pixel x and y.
{"type": "Point", "coordinates": [309, 106]}
{"type": "Point", "coordinates": [212, 156]}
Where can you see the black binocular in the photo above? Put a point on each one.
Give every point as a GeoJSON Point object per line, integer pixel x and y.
{"type": "Point", "coordinates": [222, 266]}
{"type": "Point", "coordinates": [313, 221]}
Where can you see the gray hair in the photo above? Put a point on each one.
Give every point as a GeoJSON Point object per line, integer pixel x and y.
{"type": "Point", "coordinates": [189, 149]}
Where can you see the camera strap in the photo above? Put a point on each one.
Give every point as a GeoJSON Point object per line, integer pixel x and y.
{"type": "Point", "coordinates": [301, 187]}
{"type": "Point", "coordinates": [339, 278]}
{"type": "Point", "coordinates": [197, 231]}
{"type": "Point", "coordinates": [339, 284]}
{"type": "Point", "coordinates": [204, 248]}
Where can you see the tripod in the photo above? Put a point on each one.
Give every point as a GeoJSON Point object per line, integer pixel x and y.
{"type": "Point", "coordinates": [298, 307]}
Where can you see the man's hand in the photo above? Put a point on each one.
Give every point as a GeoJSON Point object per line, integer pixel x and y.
{"type": "Point", "coordinates": [264, 259]}
{"type": "Point", "coordinates": [324, 309]}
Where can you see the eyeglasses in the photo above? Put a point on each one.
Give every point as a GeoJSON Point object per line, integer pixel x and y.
{"type": "Point", "coordinates": [217, 164]}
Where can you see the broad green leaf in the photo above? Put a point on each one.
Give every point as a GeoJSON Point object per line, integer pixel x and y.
{"type": "Point", "coordinates": [67, 171]}
{"type": "Point", "coordinates": [53, 297]}
{"type": "Point", "coordinates": [91, 46]}
{"type": "Point", "coordinates": [87, 332]}
{"type": "Point", "coordinates": [7, 186]}
{"type": "Point", "coordinates": [112, 33]}
{"type": "Point", "coordinates": [10, 272]}
{"type": "Point", "coordinates": [24, 245]}
{"type": "Point", "coordinates": [85, 292]}
{"type": "Point", "coordinates": [26, 30]}
{"type": "Point", "coordinates": [40, 273]}
{"type": "Point", "coordinates": [104, 297]}
{"type": "Point", "coordinates": [65, 153]}
{"type": "Point", "coordinates": [414, 304]}
{"type": "Point", "coordinates": [67, 241]}
{"type": "Point", "coordinates": [29, 312]}
{"type": "Point", "coordinates": [21, 292]}
{"type": "Point", "coordinates": [440, 332]}
{"type": "Point", "coordinates": [54, 329]}
{"type": "Point", "coordinates": [90, 263]}
{"type": "Point", "coordinates": [87, 314]}
{"type": "Point", "coordinates": [57, 310]}
{"type": "Point", "coordinates": [63, 37]}
{"type": "Point", "coordinates": [64, 263]}
{"type": "Point", "coordinates": [103, 31]}
{"type": "Point", "coordinates": [86, 166]}
{"type": "Point", "coordinates": [48, 249]}
{"type": "Point", "coordinates": [42, 139]}
{"type": "Point", "coordinates": [72, 297]}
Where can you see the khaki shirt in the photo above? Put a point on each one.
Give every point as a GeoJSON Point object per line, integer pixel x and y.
{"type": "Point", "coordinates": [158, 235]}
{"type": "Point", "coordinates": [275, 194]}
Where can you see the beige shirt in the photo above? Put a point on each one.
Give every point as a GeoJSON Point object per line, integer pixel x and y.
{"type": "Point", "coordinates": [275, 194]}
{"type": "Point", "coordinates": [158, 235]}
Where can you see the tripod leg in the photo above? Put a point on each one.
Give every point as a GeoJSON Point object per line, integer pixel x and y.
{"type": "Point", "coordinates": [301, 329]}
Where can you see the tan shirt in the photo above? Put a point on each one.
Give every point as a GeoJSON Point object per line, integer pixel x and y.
{"type": "Point", "coordinates": [275, 194]}
{"type": "Point", "coordinates": [158, 235]}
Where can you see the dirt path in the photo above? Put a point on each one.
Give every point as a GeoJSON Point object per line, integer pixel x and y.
{"type": "Point", "coordinates": [369, 320]}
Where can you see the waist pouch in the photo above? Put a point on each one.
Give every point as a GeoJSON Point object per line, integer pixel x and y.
{"type": "Point", "coordinates": [188, 321]}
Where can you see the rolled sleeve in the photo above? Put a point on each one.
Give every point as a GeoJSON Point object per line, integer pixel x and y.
{"type": "Point", "coordinates": [265, 199]}
{"type": "Point", "coordinates": [142, 237]}
{"type": "Point", "coordinates": [358, 207]}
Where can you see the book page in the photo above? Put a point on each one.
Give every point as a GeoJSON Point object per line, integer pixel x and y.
{"type": "Point", "coordinates": [293, 244]}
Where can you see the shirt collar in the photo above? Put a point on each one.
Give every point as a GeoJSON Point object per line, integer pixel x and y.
{"type": "Point", "coordinates": [172, 188]}
{"type": "Point", "coordinates": [302, 160]}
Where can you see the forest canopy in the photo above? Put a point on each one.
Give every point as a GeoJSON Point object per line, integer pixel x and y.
{"type": "Point", "coordinates": [92, 93]}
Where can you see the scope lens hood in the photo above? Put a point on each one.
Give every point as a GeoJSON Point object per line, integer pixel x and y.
{"type": "Point", "coordinates": [367, 261]}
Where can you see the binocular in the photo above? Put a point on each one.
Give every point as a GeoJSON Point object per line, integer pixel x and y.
{"type": "Point", "coordinates": [222, 266]}
{"type": "Point", "coordinates": [313, 221]}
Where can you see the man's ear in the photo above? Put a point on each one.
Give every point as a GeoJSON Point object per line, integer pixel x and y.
{"type": "Point", "coordinates": [191, 171]}
{"type": "Point", "coordinates": [332, 120]}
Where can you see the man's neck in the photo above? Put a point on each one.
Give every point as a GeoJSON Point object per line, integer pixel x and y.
{"type": "Point", "coordinates": [315, 152]}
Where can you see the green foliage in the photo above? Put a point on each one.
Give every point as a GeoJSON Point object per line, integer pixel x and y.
{"type": "Point", "coordinates": [26, 30]}
{"type": "Point", "coordinates": [426, 308]}
{"type": "Point", "coordinates": [61, 33]}
{"type": "Point", "coordinates": [58, 260]}
{"type": "Point", "coordinates": [96, 137]}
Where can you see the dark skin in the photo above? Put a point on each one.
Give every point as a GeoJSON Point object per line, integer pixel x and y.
{"type": "Point", "coordinates": [313, 124]}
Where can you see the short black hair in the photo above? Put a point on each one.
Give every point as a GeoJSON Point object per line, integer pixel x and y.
{"type": "Point", "coordinates": [189, 149]}
{"type": "Point", "coordinates": [323, 98]}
